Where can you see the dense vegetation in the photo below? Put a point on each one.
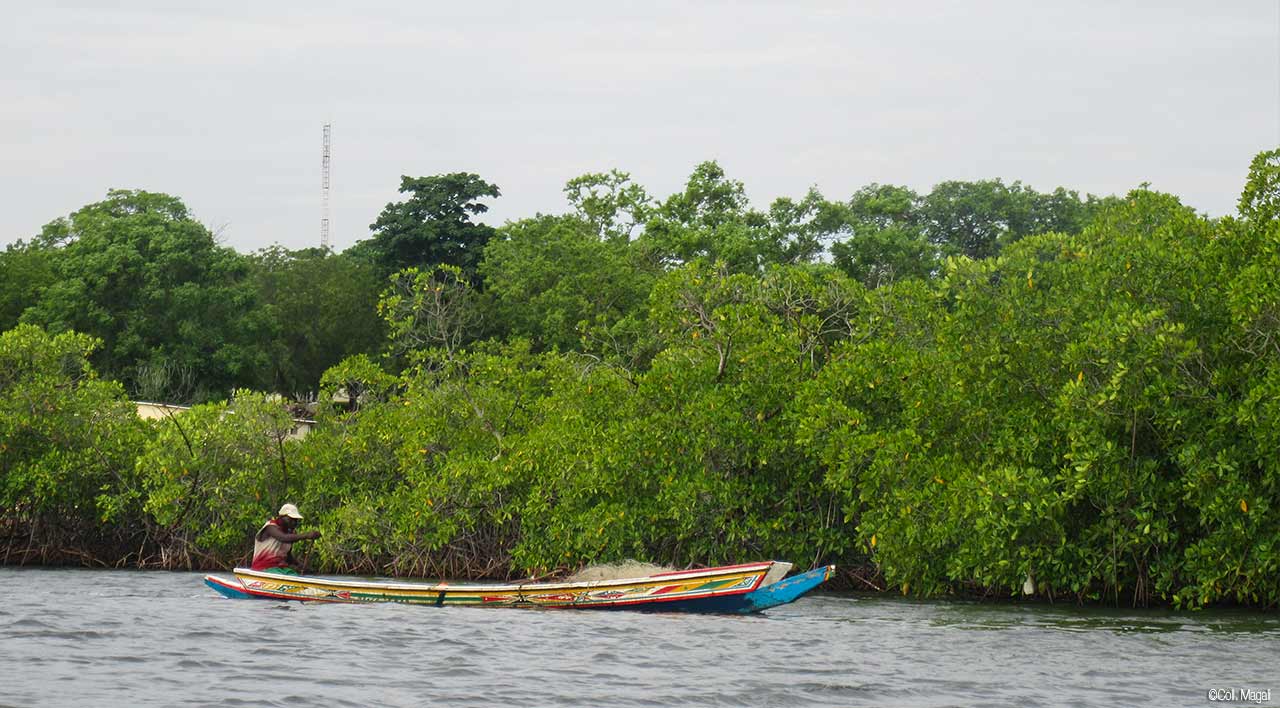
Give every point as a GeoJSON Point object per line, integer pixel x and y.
{"type": "Point", "coordinates": [965, 390]}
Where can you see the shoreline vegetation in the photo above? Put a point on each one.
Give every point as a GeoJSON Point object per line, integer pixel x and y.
{"type": "Point", "coordinates": [980, 391]}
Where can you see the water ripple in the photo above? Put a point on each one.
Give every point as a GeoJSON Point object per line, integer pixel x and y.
{"type": "Point", "coordinates": [158, 639]}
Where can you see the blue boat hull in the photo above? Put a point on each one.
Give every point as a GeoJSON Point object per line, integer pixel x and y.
{"type": "Point", "coordinates": [788, 590]}
{"type": "Point", "coordinates": [227, 588]}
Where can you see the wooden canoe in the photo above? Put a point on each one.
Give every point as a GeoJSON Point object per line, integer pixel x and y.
{"type": "Point", "coordinates": [739, 589]}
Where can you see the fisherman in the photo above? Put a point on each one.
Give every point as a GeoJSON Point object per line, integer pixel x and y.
{"type": "Point", "coordinates": [272, 547]}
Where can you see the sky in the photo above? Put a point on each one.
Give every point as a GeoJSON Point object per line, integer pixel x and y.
{"type": "Point", "coordinates": [223, 104]}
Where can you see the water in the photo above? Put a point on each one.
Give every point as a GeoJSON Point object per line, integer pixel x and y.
{"type": "Point", "coordinates": [121, 638]}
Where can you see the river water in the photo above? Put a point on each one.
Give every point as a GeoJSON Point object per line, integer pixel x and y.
{"type": "Point", "coordinates": [128, 638]}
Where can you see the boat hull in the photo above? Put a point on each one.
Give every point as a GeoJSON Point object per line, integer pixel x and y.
{"type": "Point", "coordinates": [730, 589]}
{"type": "Point", "coordinates": [232, 588]}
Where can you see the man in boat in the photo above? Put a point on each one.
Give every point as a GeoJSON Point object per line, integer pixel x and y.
{"type": "Point", "coordinates": [273, 546]}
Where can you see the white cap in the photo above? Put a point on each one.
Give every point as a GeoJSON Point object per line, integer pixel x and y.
{"type": "Point", "coordinates": [290, 511]}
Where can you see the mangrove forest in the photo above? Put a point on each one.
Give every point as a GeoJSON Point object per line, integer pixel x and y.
{"type": "Point", "coordinates": [980, 390]}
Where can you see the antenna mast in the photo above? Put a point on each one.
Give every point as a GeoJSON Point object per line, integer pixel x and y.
{"type": "Point", "coordinates": [324, 191]}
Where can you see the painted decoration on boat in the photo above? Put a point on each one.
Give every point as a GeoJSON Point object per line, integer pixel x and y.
{"type": "Point", "coordinates": [744, 588]}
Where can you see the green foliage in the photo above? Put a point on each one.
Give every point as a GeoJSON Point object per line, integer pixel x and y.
{"type": "Point", "coordinates": [1045, 414]}
{"type": "Point", "coordinates": [895, 233]}
{"type": "Point", "coordinates": [986, 385]}
{"type": "Point", "coordinates": [711, 220]}
{"type": "Point", "coordinates": [67, 444]}
{"type": "Point", "coordinates": [975, 218]}
{"type": "Point", "coordinates": [415, 484]}
{"type": "Point", "coordinates": [797, 231]}
{"type": "Point", "coordinates": [26, 269]}
{"type": "Point", "coordinates": [321, 307]}
{"type": "Point", "coordinates": [886, 241]}
{"type": "Point", "coordinates": [1260, 199]}
{"type": "Point", "coordinates": [141, 275]}
{"type": "Point", "coordinates": [433, 225]}
{"type": "Point", "coordinates": [554, 280]}
{"type": "Point", "coordinates": [611, 205]}
{"type": "Point", "coordinates": [359, 380]}
{"type": "Point", "coordinates": [212, 475]}
{"type": "Point", "coordinates": [429, 313]}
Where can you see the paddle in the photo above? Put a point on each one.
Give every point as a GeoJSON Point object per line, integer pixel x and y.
{"type": "Point", "coordinates": [306, 558]}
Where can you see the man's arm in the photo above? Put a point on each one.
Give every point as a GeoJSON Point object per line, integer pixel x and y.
{"type": "Point", "coordinates": [281, 535]}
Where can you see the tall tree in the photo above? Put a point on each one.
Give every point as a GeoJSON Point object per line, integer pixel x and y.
{"type": "Point", "coordinates": [141, 274]}
{"type": "Point", "coordinates": [977, 219]}
{"type": "Point", "coordinates": [886, 241]}
{"type": "Point", "coordinates": [707, 220]}
{"type": "Point", "coordinates": [433, 225]}
{"type": "Point", "coordinates": [429, 313]}
{"type": "Point", "coordinates": [969, 218]}
{"type": "Point", "coordinates": [553, 279]}
{"type": "Point", "coordinates": [613, 205]}
{"type": "Point", "coordinates": [712, 220]}
{"type": "Point", "coordinates": [798, 231]}
{"type": "Point", "coordinates": [1260, 199]}
{"type": "Point", "coordinates": [322, 306]}
{"type": "Point", "coordinates": [896, 233]}
{"type": "Point", "coordinates": [68, 440]}
{"type": "Point", "coordinates": [26, 269]}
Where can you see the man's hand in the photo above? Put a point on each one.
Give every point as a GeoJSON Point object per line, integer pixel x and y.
{"type": "Point", "coordinates": [313, 535]}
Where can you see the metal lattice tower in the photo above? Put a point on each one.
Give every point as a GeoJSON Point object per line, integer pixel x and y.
{"type": "Point", "coordinates": [324, 190]}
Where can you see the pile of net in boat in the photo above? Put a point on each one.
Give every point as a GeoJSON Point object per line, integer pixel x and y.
{"type": "Point", "coordinates": [616, 571]}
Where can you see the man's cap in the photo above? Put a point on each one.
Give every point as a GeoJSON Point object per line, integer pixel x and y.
{"type": "Point", "coordinates": [291, 511]}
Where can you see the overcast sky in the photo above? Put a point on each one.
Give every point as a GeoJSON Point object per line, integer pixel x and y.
{"type": "Point", "coordinates": [222, 104]}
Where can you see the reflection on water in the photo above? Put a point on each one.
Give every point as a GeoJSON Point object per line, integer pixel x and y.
{"type": "Point", "coordinates": [95, 638]}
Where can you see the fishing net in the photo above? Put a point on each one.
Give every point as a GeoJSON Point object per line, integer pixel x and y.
{"type": "Point", "coordinates": [617, 571]}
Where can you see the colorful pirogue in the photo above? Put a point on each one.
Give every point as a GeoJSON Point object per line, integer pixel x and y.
{"type": "Point", "coordinates": [737, 589]}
